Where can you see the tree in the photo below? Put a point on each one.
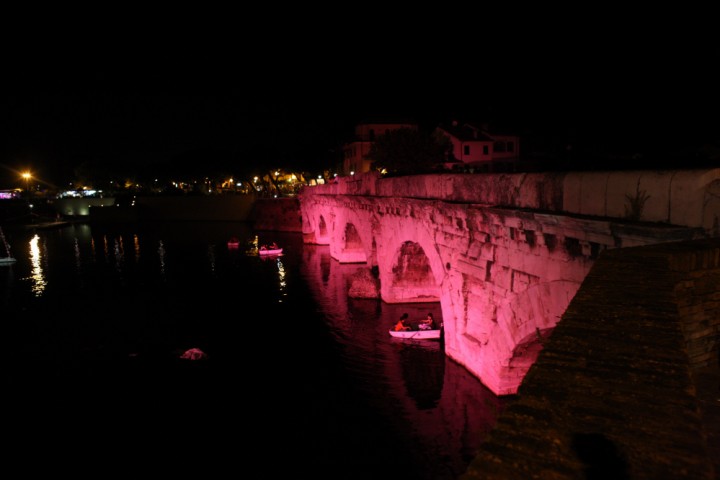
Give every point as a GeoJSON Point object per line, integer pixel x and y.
{"type": "Point", "coordinates": [408, 150]}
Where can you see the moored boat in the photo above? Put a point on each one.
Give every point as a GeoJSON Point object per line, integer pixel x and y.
{"type": "Point", "coordinates": [416, 334]}
{"type": "Point", "coordinates": [234, 242]}
{"type": "Point", "coordinates": [269, 251]}
{"type": "Point", "coordinates": [8, 259]}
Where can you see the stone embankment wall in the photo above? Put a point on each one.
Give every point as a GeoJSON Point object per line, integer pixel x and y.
{"type": "Point", "coordinates": [278, 214]}
{"type": "Point", "coordinates": [232, 208]}
{"type": "Point", "coordinates": [229, 208]}
{"type": "Point", "coordinates": [282, 214]}
{"type": "Point", "coordinates": [80, 207]}
{"type": "Point", "coordinates": [627, 386]}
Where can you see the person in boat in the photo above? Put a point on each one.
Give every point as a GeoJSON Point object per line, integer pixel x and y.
{"type": "Point", "coordinates": [428, 323]}
{"type": "Point", "coordinates": [402, 324]}
{"type": "Point", "coordinates": [272, 246]}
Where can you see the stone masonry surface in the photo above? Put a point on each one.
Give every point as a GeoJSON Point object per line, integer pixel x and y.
{"type": "Point", "coordinates": [628, 385]}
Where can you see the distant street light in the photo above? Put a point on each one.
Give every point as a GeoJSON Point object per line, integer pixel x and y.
{"type": "Point", "coordinates": [27, 176]}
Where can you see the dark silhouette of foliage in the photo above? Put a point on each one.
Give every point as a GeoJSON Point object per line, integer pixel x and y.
{"type": "Point", "coordinates": [407, 150]}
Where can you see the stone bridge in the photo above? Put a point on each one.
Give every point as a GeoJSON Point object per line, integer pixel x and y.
{"type": "Point", "coordinates": [504, 254]}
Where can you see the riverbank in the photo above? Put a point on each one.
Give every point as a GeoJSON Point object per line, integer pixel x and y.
{"type": "Point", "coordinates": [40, 222]}
{"type": "Point", "coordinates": [277, 214]}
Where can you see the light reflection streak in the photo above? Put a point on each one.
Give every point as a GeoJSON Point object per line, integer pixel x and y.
{"type": "Point", "coordinates": [93, 251]}
{"type": "Point", "coordinates": [281, 278]}
{"type": "Point", "coordinates": [36, 275]}
{"type": "Point", "coordinates": [119, 255]}
{"type": "Point", "coordinates": [78, 260]}
{"type": "Point", "coordinates": [76, 249]}
{"type": "Point", "coordinates": [136, 248]}
{"type": "Point", "coordinates": [106, 248]}
{"type": "Point", "coordinates": [211, 256]}
{"type": "Point", "coordinates": [161, 254]}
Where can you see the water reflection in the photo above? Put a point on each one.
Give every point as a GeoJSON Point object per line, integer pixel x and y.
{"type": "Point", "coordinates": [161, 257]}
{"type": "Point", "coordinates": [136, 248]}
{"type": "Point", "coordinates": [211, 257]}
{"type": "Point", "coordinates": [76, 251]}
{"type": "Point", "coordinates": [119, 254]}
{"type": "Point", "coordinates": [37, 276]}
{"type": "Point", "coordinates": [281, 279]}
{"type": "Point", "coordinates": [347, 398]}
{"type": "Point", "coordinates": [421, 371]}
{"type": "Point", "coordinates": [441, 409]}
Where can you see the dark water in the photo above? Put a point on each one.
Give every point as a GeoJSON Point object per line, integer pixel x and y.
{"type": "Point", "coordinates": [299, 379]}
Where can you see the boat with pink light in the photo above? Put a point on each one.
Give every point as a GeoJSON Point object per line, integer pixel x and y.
{"type": "Point", "coordinates": [269, 250]}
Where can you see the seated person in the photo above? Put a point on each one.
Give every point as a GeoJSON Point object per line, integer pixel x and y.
{"type": "Point", "coordinates": [402, 324]}
{"type": "Point", "coordinates": [428, 323]}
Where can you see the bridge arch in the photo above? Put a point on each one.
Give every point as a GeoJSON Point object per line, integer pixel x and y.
{"type": "Point", "coordinates": [410, 278]}
{"type": "Point", "coordinates": [351, 239]}
{"type": "Point", "coordinates": [410, 267]}
{"type": "Point", "coordinates": [315, 224]}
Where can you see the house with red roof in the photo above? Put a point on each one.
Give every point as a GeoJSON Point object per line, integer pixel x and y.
{"type": "Point", "coordinates": [476, 147]}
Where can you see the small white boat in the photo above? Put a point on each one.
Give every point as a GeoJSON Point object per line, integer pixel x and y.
{"type": "Point", "coordinates": [416, 334]}
{"type": "Point", "coordinates": [269, 251]}
{"type": "Point", "coordinates": [7, 260]}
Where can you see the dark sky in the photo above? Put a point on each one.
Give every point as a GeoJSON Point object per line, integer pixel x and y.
{"type": "Point", "coordinates": [293, 106]}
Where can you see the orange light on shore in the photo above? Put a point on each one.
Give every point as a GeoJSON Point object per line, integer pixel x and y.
{"type": "Point", "coordinates": [27, 176]}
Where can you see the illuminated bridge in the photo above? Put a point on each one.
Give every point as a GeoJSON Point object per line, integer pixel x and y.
{"type": "Point", "coordinates": [504, 254]}
{"type": "Point", "coordinates": [628, 260]}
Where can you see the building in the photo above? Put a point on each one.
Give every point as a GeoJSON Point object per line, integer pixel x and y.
{"type": "Point", "coordinates": [475, 147]}
{"type": "Point", "coordinates": [15, 193]}
{"type": "Point", "coordinates": [355, 159]}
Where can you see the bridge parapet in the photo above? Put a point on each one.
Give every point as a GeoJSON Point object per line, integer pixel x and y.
{"type": "Point", "coordinates": [688, 198]}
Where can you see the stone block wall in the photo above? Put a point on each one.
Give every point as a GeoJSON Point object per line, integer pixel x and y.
{"type": "Point", "coordinates": [278, 214]}
{"type": "Point", "coordinates": [616, 391]}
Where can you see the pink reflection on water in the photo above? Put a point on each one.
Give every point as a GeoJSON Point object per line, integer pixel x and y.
{"type": "Point", "coordinates": [420, 390]}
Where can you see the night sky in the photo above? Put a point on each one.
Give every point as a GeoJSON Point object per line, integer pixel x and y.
{"type": "Point", "coordinates": [184, 106]}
